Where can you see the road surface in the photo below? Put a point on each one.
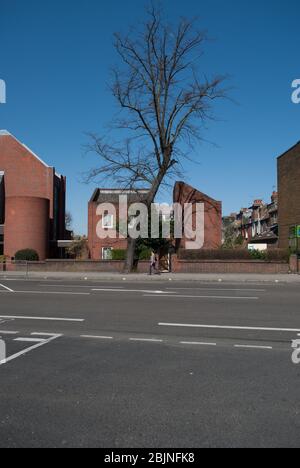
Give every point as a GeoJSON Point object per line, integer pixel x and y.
{"type": "Point", "coordinates": [179, 365]}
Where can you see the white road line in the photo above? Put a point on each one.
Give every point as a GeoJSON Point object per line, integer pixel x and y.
{"type": "Point", "coordinates": [54, 292]}
{"type": "Point", "coordinates": [132, 290]}
{"type": "Point", "coordinates": [97, 337]}
{"type": "Point", "coordinates": [6, 332]}
{"type": "Point", "coordinates": [72, 286]}
{"type": "Point", "coordinates": [27, 350]}
{"type": "Point", "coordinates": [197, 343]}
{"type": "Point", "coordinates": [222, 327]}
{"type": "Point", "coordinates": [41, 334]}
{"type": "Point", "coordinates": [252, 298]}
{"type": "Point", "coordinates": [5, 287]}
{"type": "Point", "coordinates": [30, 340]}
{"type": "Point", "coordinates": [253, 347]}
{"type": "Point", "coordinates": [148, 340]}
{"type": "Point", "coordinates": [216, 289]}
{"type": "Point", "coordinates": [52, 319]}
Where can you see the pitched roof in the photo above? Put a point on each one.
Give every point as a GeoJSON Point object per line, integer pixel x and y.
{"type": "Point", "coordinates": [292, 148]}
{"type": "Point", "coordinates": [5, 133]}
{"type": "Point", "coordinates": [104, 195]}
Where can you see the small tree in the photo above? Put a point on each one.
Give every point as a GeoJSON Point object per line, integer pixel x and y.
{"type": "Point", "coordinates": [78, 249]}
{"type": "Point", "coordinates": [164, 103]}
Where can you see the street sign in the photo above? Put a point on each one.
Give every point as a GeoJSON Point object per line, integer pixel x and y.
{"type": "Point", "coordinates": [298, 232]}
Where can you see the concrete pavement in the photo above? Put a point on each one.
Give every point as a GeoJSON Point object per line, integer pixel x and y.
{"type": "Point", "coordinates": [140, 277]}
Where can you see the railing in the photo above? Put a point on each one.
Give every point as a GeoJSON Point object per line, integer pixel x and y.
{"type": "Point", "coordinates": [14, 268]}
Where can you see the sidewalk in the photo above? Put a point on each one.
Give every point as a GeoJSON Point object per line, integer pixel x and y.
{"type": "Point", "coordinates": [165, 277]}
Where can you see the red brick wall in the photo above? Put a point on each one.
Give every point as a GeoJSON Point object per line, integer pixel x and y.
{"type": "Point", "coordinates": [288, 193]}
{"type": "Point", "coordinates": [222, 266]}
{"type": "Point", "coordinates": [87, 266]}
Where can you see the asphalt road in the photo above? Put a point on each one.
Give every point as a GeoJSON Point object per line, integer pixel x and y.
{"type": "Point", "coordinates": [92, 364]}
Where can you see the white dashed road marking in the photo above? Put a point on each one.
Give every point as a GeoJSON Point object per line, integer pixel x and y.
{"type": "Point", "coordinates": [6, 332]}
{"type": "Point", "coordinates": [253, 347]}
{"type": "Point", "coordinates": [197, 343]}
{"type": "Point", "coordinates": [147, 340]}
{"type": "Point", "coordinates": [97, 337]}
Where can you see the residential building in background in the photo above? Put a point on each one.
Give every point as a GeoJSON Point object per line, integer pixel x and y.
{"type": "Point", "coordinates": [32, 201]}
{"type": "Point", "coordinates": [257, 225]}
{"type": "Point", "coordinates": [289, 198]}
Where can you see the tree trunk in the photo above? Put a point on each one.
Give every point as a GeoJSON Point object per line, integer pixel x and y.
{"type": "Point", "coordinates": [129, 262]}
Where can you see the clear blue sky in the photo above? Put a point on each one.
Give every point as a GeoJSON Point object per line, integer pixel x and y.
{"type": "Point", "coordinates": [55, 59]}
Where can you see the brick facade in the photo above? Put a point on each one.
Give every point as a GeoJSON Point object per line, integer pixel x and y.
{"type": "Point", "coordinates": [108, 196]}
{"type": "Point", "coordinates": [289, 193]}
{"type": "Point", "coordinates": [32, 200]}
{"type": "Point", "coordinates": [184, 193]}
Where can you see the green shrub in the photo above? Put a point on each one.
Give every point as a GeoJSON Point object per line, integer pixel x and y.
{"type": "Point", "coordinates": [258, 255]}
{"type": "Point", "coordinates": [118, 254]}
{"type": "Point", "coordinates": [145, 254]}
{"type": "Point", "coordinates": [28, 255]}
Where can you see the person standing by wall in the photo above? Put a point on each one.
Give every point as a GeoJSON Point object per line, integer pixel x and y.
{"type": "Point", "coordinates": [152, 262]}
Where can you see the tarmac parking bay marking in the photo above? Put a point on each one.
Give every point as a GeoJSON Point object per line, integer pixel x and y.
{"type": "Point", "coordinates": [39, 343]}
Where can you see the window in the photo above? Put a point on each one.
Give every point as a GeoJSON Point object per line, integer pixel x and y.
{"type": "Point", "coordinates": [108, 221]}
{"type": "Point", "coordinates": [107, 253]}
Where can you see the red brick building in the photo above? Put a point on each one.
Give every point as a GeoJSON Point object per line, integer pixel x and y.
{"type": "Point", "coordinates": [106, 221]}
{"type": "Point", "coordinates": [101, 248]}
{"type": "Point", "coordinates": [289, 197]}
{"type": "Point", "coordinates": [32, 201]}
{"type": "Point", "coordinates": [184, 193]}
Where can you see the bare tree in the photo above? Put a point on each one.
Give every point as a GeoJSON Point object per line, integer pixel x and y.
{"type": "Point", "coordinates": [164, 104]}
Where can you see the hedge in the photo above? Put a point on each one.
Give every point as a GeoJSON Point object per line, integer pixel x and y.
{"type": "Point", "coordinates": [28, 255]}
{"type": "Point", "coordinates": [276, 255]}
{"type": "Point", "coordinates": [118, 254]}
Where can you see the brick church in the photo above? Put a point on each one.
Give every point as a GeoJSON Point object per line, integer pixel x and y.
{"type": "Point", "coordinates": [32, 201]}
